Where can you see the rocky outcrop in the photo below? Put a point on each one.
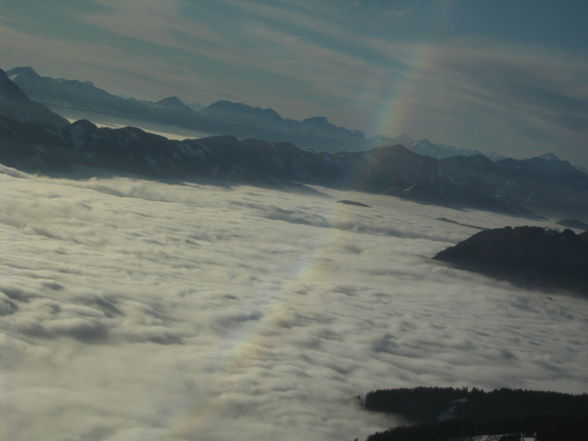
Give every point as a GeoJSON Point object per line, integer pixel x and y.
{"type": "Point", "coordinates": [534, 257]}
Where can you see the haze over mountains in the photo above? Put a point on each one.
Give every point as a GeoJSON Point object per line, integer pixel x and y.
{"type": "Point", "coordinates": [544, 186]}
{"type": "Point", "coordinates": [220, 117]}
{"type": "Point", "coordinates": [17, 106]}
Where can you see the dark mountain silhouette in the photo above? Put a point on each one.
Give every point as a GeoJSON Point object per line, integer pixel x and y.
{"type": "Point", "coordinates": [459, 414]}
{"type": "Point", "coordinates": [72, 93]}
{"type": "Point", "coordinates": [397, 171]}
{"type": "Point", "coordinates": [238, 119]}
{"type": "Point", "coordinates": [531, 256]}
{"type": "Point", "coordinates": [30, 147]}
{"type": "Point", "coordinates": [434, 150]}
{"type": "Point", "coordinates": [430, 404]}
{"type": "Point", "coordinates": [85, 96]}
{"type": "Point", "coordinates": [223, 158]}
{"type": "Point", "coordinates": [392, 170]}
{"type": "Point", "coordinates": [172, 102]}
{"type": "Point", "coordinates": [549, 186]}
{"type": "Point", "coordinates": [229, 110]}
{"type": "Point", "coordinates": [221, 117]}
{"type": "Point", "coordinates": [316, 132]}
{"type": "Point", "coordinates": [541, 428]}
{"type": "Point", "coordinates": [14, 104]}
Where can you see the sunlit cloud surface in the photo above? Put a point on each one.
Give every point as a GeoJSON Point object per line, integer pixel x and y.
{"type": "Point", "coordinates": [137, 310]}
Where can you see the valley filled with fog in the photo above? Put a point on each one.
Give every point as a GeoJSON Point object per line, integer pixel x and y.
{"type": "Point", "coordinates": [144, 310]}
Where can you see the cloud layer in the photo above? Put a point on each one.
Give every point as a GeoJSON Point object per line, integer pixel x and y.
{"type": "Point", "coordinates": [137, 310]}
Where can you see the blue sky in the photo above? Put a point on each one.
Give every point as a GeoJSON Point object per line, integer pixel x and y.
{"type": "Point", "coordinates": [509, 77]}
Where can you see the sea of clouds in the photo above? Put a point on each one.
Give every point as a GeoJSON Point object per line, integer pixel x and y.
{"type": "Point", "coordinates": [141, 310]}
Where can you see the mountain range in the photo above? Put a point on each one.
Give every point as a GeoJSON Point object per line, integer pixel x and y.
{"type": "Point", "coordinates": [41, 141]}
{"type": "Point", "coordinates": [222, 117]}
{"type": "Point", "coordinates": [17, 106]}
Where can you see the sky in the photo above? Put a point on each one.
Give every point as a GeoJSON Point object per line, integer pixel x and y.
{"type": "Point", "coordinates": [136, 310]}
{"type": "Point", "coordinates": [508, 78]}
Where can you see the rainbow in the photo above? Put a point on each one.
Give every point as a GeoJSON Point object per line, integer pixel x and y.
{"type": "Point", "coordinates": [244, 350]}
{"type": "Point", "coordinates": [403, 94]}
{"type": "Point", "coordinates": [247, 347]}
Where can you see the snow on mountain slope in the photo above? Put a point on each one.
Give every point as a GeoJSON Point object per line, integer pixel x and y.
{"type": "Point", "coordinates": [142, 310]}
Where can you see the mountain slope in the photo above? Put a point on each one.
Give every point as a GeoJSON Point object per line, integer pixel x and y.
{"type": "Point", "coordinates": [462, 182]}
{"type": "Point", "coordinates": [391, 170]}
{"type": "Point", "coordinates": [546, 185]}
{"type": "Point", "coordinates": [396, 170]}
{"type": "Point", "coordinates": [315, 132]}
{"type": "Point", "coordinates": [14, 104]}
{"type": "Point", "coordinates": [222, 117]}
{"type": "Point", "coordinates": [531, 256]}
{"type": "Point", "coordinates": [172, 102]}
{"type": "Point", "coordinates": [85, 96]}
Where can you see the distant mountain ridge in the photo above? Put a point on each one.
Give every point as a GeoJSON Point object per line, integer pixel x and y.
{"type": "Point", "coordinates": [542, 185]}
{"type": "Point", "coordinates": [172, 102]}
{"type": "Point", "coordinates": [247, 121]}
{"type": "Point", "coordinates": [221, 117]}
{"type": "Point", "coordinates": [518, 187]}
{"type": "Point", "coordinates": [85, 96]}
{"type": "Point", "coordinates": [434, 150]}
{"type": "Point", "coordinates": [14, 104]}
